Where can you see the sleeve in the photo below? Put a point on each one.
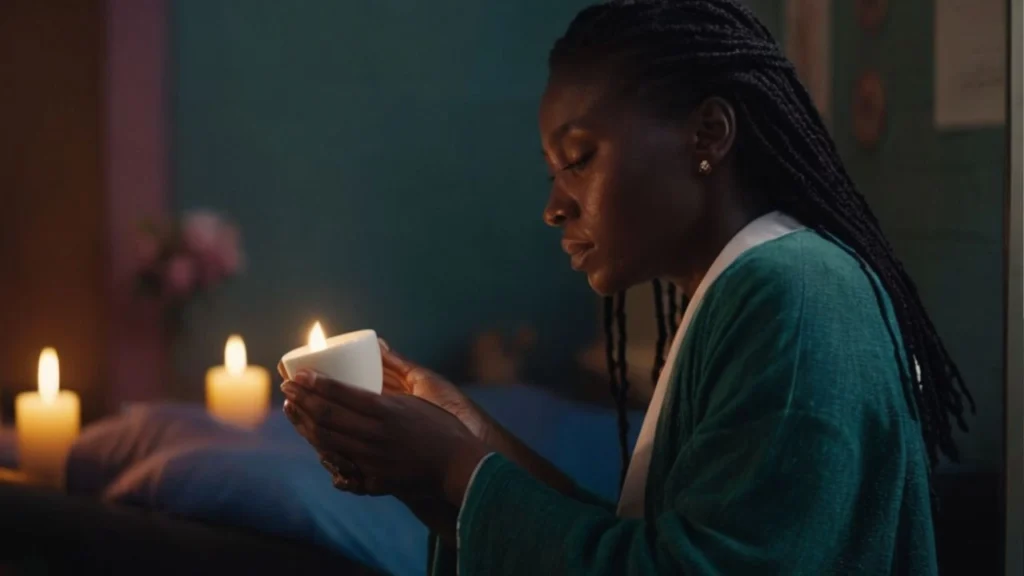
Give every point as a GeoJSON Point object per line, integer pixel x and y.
{"type": "Point", "coordinates": [764, 483]}
{"type": "Point", "coordinates": [442, 558]}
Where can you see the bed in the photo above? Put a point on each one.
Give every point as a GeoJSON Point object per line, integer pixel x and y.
{"type": "Point", "coordinates": [163, 487]}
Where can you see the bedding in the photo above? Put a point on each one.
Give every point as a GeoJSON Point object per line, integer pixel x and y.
{"type": "Point", "coordinates": [176, 459]}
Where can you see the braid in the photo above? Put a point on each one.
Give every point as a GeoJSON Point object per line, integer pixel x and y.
{"type": "Point", "coordinates": [659, 315]}
{"type": "Point", "coordinates": [620, 317]}
{"type": "Point", "coordinates": [609, 344]}
{"type": "Point", "coordinates": [615, 317]}
{"type": "Point", "coordinates": [661, 48]}
{"type": "Point", "coordinates": [673, 308]}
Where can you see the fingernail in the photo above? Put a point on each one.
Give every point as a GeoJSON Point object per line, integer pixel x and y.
{"type": "Point", "coordinates": [288, 389]}
{"type": "Point", "coordinates": [384, 344]}
{"type": "Point", "coordinates": [329, 466]}
{"type": "Point", "coordinates": [304, 377]}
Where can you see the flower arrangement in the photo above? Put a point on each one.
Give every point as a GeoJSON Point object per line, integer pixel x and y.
{"type": "Point", "coordinates": [190, 255]}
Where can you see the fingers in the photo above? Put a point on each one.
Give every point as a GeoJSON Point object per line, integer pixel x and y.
{"type": "Point", "coordinates": [328, 413]}
{"type": "Point", "coordinates": [355, 399]}
{"type": "Point", "coordinates": [324, 440]}
{"type": "Point", "coordinates": [395, 383]}
{"type": "Point", "coordinates": [337, 464]}
{"type": "Point", "coordinates": [393, 361]}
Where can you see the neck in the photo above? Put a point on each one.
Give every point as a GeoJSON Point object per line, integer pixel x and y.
{"type": "Point", "coordinates": [713, 239]}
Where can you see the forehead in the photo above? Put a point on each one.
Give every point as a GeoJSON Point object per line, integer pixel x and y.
{"type": "Point", "coordinates": [566, 105]}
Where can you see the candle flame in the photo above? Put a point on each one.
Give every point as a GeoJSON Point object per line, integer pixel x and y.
{"type": "Point", "coordinates": [317, 341]}
{"type": "Point", "coordinates": [49, 375]}
{"type": "Point", "coordinates": [235, 358]}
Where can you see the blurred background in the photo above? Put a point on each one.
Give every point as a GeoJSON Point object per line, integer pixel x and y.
{"type": "Point", "coordinates": [375, 165]}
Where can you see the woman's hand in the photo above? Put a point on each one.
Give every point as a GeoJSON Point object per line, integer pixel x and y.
{"type": "Point", "coordinates": [404, 377]}
{"type": "Point", "coordinates": [398, 443]}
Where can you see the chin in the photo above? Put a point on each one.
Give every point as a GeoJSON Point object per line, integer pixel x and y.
{"type": "Point", "coordinates": [606, 284]}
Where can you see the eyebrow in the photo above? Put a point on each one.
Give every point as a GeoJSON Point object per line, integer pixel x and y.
{"type": "Point", "coordinates": [561, 130]}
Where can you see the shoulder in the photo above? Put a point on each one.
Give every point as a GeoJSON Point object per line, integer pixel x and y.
{"type": "Point", "coordinates": [800, 322]}
{"type": "Point", "coordinates": [803, 270]}
{"type": "Point", "coordinates": [807, 293]}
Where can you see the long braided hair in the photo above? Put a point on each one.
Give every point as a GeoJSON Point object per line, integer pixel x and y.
{"type": "Point", "coordinates": [659, 50]}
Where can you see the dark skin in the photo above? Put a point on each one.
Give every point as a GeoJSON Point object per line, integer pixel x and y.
{"type": "Point", "coordinates": [632, 201]}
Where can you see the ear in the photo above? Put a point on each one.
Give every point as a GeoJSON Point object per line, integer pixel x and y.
{"type": "Point", "coordinates": [715, 131]}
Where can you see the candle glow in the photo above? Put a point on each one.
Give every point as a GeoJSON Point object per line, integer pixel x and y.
{"type": "Point", "coordinates": [317, 340]}
{"type": "Point", "coordinates": [235, 359]}
{"type": "Point", "coordinates": [48, 377]}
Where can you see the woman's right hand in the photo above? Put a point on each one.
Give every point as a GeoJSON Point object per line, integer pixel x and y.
{"type": "Point", "coordinates": [402, 376]}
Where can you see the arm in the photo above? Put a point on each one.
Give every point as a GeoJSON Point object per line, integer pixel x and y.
{"type": "Point", "coordinates": [766, 483]}
{"type": "Point", "coordinates": [404, 376]}
{"type": "Point", "coordinates": [515, 451]}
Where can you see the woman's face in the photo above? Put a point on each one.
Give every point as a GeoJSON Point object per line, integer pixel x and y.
{"type": "Point", "coordinates": [624, 191]}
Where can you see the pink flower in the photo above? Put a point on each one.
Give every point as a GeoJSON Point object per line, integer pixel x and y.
{"type": "Point", "coordinates": [180, 275]}
{"type": "Point", "coordinates": [200, 231]}
{"type": "Point", "coordinates": [229, 253]}
{"type": "Point", "coordinates": [215, 244]}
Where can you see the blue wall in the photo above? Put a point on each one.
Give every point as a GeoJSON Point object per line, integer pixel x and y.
{"type": "Point", "coordinates": [383, 161]}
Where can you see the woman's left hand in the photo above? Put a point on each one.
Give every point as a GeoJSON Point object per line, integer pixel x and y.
{"type": "Point", "coordinates": [399, 443]}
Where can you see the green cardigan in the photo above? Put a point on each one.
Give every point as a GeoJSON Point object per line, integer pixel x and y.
{"type": "Point", "coordinates": [788, 444]}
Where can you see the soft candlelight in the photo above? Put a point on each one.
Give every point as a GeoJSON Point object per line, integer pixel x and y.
{"type": "Point", "coordinates": [236, 392]}
{"type": "Point", "coordinates": [47, 422]}
{"type": "Point", "coordinates": [352, 358]}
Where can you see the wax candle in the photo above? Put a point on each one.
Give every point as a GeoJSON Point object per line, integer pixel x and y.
{"type": "Point", "coordinates": [352, 358]}
{"type": "Point", "coordinates": [236, 392]}
{"type": "Point", "coordinates": [47, 423]}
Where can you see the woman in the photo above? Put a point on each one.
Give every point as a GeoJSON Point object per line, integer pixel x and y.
{"type": "Point", "coordinates": [807, 392]}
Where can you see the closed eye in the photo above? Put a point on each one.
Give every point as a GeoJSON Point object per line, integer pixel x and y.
{"type": "Point", "coordinates": [575, 167]}
{"type": "Point", "coordinates": [579, 164]}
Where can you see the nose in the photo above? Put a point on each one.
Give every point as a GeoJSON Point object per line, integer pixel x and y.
{"type": "Point", "coordinates": [560, 208]}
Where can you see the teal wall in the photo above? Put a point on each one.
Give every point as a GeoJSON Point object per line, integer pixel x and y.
{"type": "Point", "coordinates": [383, 161]}
{"type": "Point", "coordinates": [939, 196]}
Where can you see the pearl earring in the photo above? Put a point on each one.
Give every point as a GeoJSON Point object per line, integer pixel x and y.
{"type": "Point", "coordinates": [704, 168]}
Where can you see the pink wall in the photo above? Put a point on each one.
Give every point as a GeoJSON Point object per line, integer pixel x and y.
{"type": "Point", "coordinates": [137, 187]}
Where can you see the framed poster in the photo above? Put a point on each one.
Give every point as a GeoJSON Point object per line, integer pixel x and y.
{"type": "Point", "coordinates": [970, 64]}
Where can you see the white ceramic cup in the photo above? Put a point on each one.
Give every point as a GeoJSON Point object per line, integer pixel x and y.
{"type": "Point", "coordinates": [352, 359]}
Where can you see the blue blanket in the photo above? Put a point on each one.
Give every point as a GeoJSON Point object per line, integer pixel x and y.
{"type": "Point", "coordinates": [177, 459]}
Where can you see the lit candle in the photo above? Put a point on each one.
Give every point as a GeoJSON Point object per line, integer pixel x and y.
{"type": "Point", "coordinates": [47, 422]}
{"type": "Point", "coordinates": [352, 358]}
{"type": "Point", "coordinates": [236, 392]}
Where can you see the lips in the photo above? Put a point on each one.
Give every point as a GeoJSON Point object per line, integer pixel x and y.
{"type": "Point", "coordinates": [578, 250]}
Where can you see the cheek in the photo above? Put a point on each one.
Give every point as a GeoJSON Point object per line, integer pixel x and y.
{"type": "Point", "coordinates": [620, 224]}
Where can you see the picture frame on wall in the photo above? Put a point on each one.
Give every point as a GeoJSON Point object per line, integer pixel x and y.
{"type": "Point", "coordinates": [871, 14]}
{"type": "Point", "coordinates": [808, 44]}
{"type": "Point", "coordinates": [869, 109]}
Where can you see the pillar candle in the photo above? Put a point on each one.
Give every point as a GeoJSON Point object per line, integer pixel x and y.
{"type": "Point", "coordinates": [236, 392]}
{"type": "Point", "coordinates": [47, 422]}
